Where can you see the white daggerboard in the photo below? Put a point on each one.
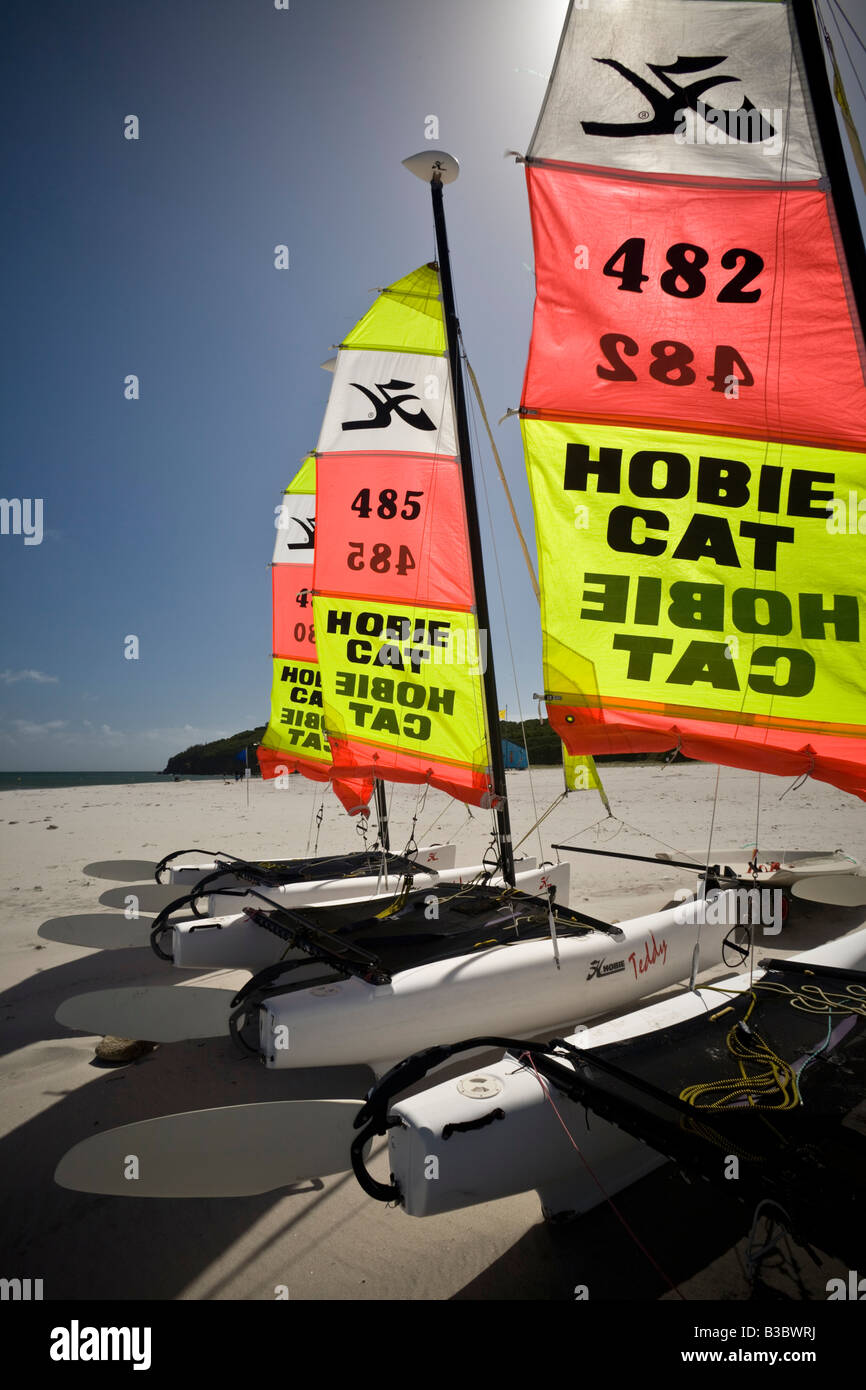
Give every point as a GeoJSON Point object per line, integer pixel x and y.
{"type": "Point", "coordinates": [230, 1151]}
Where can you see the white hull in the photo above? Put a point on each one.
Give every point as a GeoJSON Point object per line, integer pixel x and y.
{"type": "Point", "coordinates": [233, 942]}
{"type": "Point", "coordinates": [792, 866]}
{"type": "Point", "coordinates": [325, 892]}
{"type": "Point", "coordinates": [512, 990]}
{"type": "Point", "coordinates": [527, 1149]}
{"type": "Point", "coordinates": [434, 856]}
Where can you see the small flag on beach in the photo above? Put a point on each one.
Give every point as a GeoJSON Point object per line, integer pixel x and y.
{"type": "Point", "coordinates": [581, 774]}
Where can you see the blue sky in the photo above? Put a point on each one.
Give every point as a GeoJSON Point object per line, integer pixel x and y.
{"type": "Point", "coordinates": [155, 257]}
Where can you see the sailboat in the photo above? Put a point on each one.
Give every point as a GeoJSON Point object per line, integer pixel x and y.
{"type": "Point", "coordinates": [486, 954]}
{"type": "Point", "coordinates": [718, 605]}
{"type": "Point", "coordinates": [294, 742]}
{"type": "Point", "coordinates": [219, 934]}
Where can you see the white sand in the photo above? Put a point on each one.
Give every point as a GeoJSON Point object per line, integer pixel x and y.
{"type": "Point", "coordinates": [323, 1240]}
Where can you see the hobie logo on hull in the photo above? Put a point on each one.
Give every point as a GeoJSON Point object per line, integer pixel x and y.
{"type": "Point", "coordinates": [746, 124]}
{"type": "Point", "coordinates": [598, 969]}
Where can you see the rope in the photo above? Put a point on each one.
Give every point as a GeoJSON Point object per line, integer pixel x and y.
{"type": "Point", "coordinates": [798, 1080]}
{"type": "Point", "coordinates": [318, 820]}
{"type": "Point", "coordinates": [696, 954]}
{"type": "Point", "coordinates": [839, 86]}
{"type": "Point", "coordinates": [749, 1048]}
{"type": "Point", "coordinates": [813, 999]}
{"type": "Point", "coordinates": [614, 1208]}
{"type": "Point", "coordinates": [798, 781]}
{"type": "Point", "coordinates": [520, 536]}
{"type": "Point", "coordinates": [746, 1047]}
{"type": "Point", "coordinates": [541, 819]}
{"type": "Point", "coordinates": [756, 1254]}
{"type": "Point", "coordinates": [755, 871]}
{"type": "Point", "coordinates": [508, 628]}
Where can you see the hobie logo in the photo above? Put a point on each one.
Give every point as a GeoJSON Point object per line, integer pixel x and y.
{"type": "Point", "coordinates": [598, 969]}
{"type": "Point", "coordinates": [668, 106]}
{"type": "Point", "coordinates": [285, 521]}
{"type": "Point", "coordinates": [387, 404]}
{"type": "Point", "coordinates": [77, 1343]}
{"type": "Point", "coordinates": [308, 527]}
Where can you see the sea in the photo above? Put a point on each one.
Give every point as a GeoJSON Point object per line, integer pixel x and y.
{"type": "Point", "coordinates": [32, 781]}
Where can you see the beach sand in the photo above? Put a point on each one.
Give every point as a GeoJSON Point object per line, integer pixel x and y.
{"type": "Point", "coordinates": [326, 1239]}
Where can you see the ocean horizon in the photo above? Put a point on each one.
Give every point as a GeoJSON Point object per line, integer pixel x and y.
{"type": "Point", "coordinates": [35, 781]}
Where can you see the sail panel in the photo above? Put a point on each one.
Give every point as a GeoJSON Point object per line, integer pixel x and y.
{"type": "Point", "coordinates": [394, 525]}
{"type": "Point", "coordinates": [399, 649]}
{"type": "Point", "coordinates": [785, 752]}
{"type": "Point", "coordinates": [681, 88]}
{"type": "Point", "coordinates": [652, 305]}
{"type": "Point", "coordinates": [407, 316]}
{"type": "Point", "coordinates": [403, 691]}
{"type": "Point", "coordinates": [467, 782]}
{"type": "Point", "coordinates": [398, 401]}
{"type": "Point", "coordinates": [707, 573]}
{"type": "Point", "coordinates": [694, 406]}
{"type": "Point", "coordinates": [296, 728]}
{"type": "Point", "coordinates": [295, 739]}
{"type": "Point", "coordinates": [293, 611]}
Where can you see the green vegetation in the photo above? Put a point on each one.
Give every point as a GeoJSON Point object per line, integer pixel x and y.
{"type": "Point", "coordinates": [218, 758]}
{"type": "Point", "coordinates": [542, 744]}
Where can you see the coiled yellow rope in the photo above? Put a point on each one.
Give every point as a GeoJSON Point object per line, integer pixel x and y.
{"type": "Point", "coordinates": [773, 1086]}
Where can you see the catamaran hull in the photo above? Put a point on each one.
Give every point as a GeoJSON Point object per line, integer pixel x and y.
{"type": "Point", "coordinates": [512, 990]}
{"type": "Point", "coordinates": [525, 1147]}
{"type": "Point", "coordinates": [328, 891]}
{"type": "Point", "coordinates": [233, 942]}
{"type": "Point", "coordinates": [436, 857]}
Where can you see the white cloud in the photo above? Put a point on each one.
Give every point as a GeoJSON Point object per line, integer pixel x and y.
{"type": "Point", "coordinates": [185, 731]}
{"type": "Point", "coordinates": [27, 729]}
{"type": "Point", "coordinates": [12, 677]}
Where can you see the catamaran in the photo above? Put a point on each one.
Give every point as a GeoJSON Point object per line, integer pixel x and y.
{"type": "Point", "coordinates": [294, 742]}
{"type": "Point", "coordinates": [400, 611]}
{"type": "Point", "coordinates": [206, 927]}
{"type": "Point", "coordinates": [707, 428]}
{"type": "Point", "coordinates": [665, 368]}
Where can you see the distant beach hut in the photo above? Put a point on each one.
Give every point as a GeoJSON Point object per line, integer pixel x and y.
{"type": "Point", "coordinates": [514, 756]}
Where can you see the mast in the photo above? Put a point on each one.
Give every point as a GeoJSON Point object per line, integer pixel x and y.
{"type": "Point", "coordinates": [437, 167]}
{"type": "Point", "coordinates": [842, 194]}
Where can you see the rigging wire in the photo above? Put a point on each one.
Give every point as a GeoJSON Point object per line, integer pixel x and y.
{"type": "Point", "coordinates": [605, 1194]}
{"type": "Point", "coordinates": [313, 818]}
{"type": "Point", "coordinates": [755, 862]}
{"type": "Point", "coordinates": [474, 427]}
{"type": "Point", "coordinates": [839, 86]}
{"type": "Point", "coordinates": [834, 5]}
{"type": "Point", "coordinates": [502, 478]}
